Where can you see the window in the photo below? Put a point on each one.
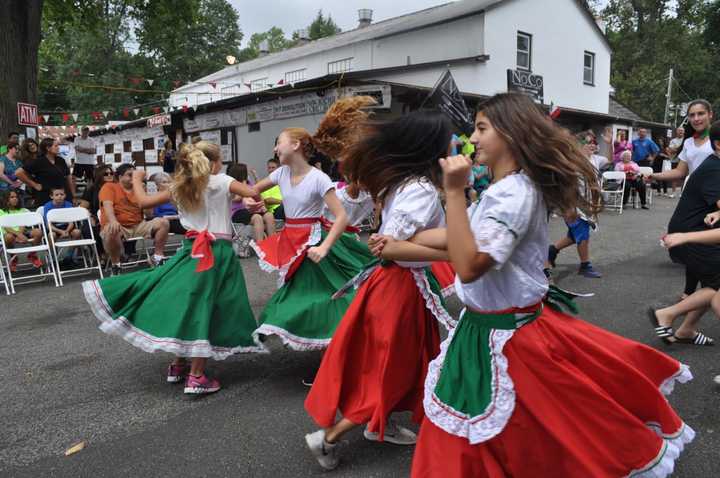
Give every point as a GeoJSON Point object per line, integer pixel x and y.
{"type": "Point", "coordinates": [295, 76]}
{"type": "Point", "coordinates": [524, 51]}
{"type": "Point", "coordinates": [258, 85]}
{"type": "Point", "coordinates": [253, 127]}
{"type": "Point", "coordinates": [340, 66]}
{"type": "Point", "coordinates": [589, 69]}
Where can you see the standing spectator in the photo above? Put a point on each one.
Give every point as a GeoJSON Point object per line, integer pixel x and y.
{"type": "Point", "coordinates": [10, 204]}
{"type": "Point", "coordinates": [644, 149]}
{"type": "Point", "coordinates": [13, 137]}
{"type": "Point", "coordinates": [662, 163]}
{"type": "Point", "coordinates": [621, 144]}
{"type": "Point", "coordinates": [48, 171]}
{"type": "Point", "coordinates": [633, 178]}
{"type": "Point", "coordinates": [85, 156]}
{"type": "Point", "coordinates": [59, 230]}
{"type": "Point", "coordinates": [122, 217]}
{"type": "Point", "coordinates": [28, 151]}
{"type": "Point", "coordinates": [167, 157]}
{"type": "Point", "coordinates": [9, 164]}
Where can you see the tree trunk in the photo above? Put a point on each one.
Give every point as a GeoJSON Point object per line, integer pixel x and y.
{"type": "Point", "coordinates": [19, 43]}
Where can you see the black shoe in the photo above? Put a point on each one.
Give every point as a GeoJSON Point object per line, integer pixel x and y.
{"type": "Point", "coordinates": [114, 270]}
{"type": "Point", "coordinates": [644, 207]}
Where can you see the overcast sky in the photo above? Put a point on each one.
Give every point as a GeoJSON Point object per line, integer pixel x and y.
{"type": "Point", "coordinates": [290, 15]}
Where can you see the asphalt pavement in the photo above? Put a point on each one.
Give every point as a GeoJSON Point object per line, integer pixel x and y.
{"type": "Point", "coordinates": [66, 382]}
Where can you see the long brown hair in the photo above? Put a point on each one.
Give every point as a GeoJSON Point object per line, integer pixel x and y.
{"type": "Point", "coordinates": [547, 153]}
{"type": "Point", "coordinates": [193, 174]}
{"type": "Point", "coordinates": [392, 152]}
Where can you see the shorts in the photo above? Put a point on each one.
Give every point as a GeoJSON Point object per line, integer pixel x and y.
{"type": "Point", "coordinates": [578, 230]}
{"type": "Point", "coordinates": [144, 229]}
{"type": "Point", "coordinates": [86, 171]}
{"type": "Point", "coordinates": [243, 216]}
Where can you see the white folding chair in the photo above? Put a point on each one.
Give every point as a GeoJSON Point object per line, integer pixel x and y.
{"type": "Point", "coordinates": [131, 262]}
{"type": "Point", "coordinates": [76, 215]}
{"type": "Point", "coordinates": [2, 276]}
{"type": "Point", "coordinates": [646, 171]}
{"type": "Point", "coordinates": [242, 235]}
{"type": "Point", "coordinates": [27, 219]}
{"type": "Point", "coordinates": [617, 196]}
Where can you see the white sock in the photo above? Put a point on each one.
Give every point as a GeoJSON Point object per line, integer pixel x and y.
{"type": "Point", "coordinates": [158, 258]}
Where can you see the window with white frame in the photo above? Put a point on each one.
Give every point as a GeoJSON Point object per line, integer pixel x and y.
{"type": "Point", "coordinates": [340, 66]}
{"type": "Point", "coordinates": [524, 51]}
{"type": "Point", "coordinates": [589, 68]}
{"type": "Point", "coordinates": [295, 76]}
{"type": "Point", "coordinates": [259, 84]}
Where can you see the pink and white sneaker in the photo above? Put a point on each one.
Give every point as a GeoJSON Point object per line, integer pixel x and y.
{"type": "Point", "coordinates": [201, 385]}
{"type": "Point", "coordinates": [177, 373]}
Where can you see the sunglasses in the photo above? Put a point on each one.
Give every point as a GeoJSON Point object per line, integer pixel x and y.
{"type": "Point", "coordinates": [108, 174]}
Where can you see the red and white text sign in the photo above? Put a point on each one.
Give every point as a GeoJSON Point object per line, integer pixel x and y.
{"type": "Point", "coordinates": [158, 120]}
{"type": "Point", "coordinates": [27, 114]}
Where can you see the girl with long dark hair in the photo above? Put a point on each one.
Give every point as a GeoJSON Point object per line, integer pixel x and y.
{"type": "Point", "coordinates": [520, 388]}
{"type": "Point", "coordinates": [377, 360]}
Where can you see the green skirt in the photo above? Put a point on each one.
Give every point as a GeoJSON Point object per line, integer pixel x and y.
{"type": "Point", "coordinates": [177, 310]}
{"type": "Point", "coordinates": [302, 312]}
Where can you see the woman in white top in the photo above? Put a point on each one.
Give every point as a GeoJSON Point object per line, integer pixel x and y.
{"type": "Point", "coordinates": [196, 304]}
{"type": "Point", "coordinates": [377, 360]}
{"type": "Point", "coordinates": [697, 147]}
{"type": "Point", "coordinates": [314, 255]}
{"type": "Point", "coordinates": [520, 388]}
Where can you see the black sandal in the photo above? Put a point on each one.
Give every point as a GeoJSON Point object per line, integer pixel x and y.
{"type": "Point", "coordinates": [699, 339]}
{"type": "Point", "coordinates": [662, 332]}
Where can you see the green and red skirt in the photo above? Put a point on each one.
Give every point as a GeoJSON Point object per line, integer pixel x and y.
{"type": "Point", "coordinates": [445, 275]}
{"type": "Point", "coordinates": [535, 392]}
{"type": "Point", "coordinates": [194, 305]}
{"type": "Point", "coordinates": [378, 358]}
{"type": "Point", "coordinates": [302, 312]}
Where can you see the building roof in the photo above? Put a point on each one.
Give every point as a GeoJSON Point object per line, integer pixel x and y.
{"type": "Point", "coordinates": [618, 109]}
{"type": "Point", "coordinates": [411, 21]}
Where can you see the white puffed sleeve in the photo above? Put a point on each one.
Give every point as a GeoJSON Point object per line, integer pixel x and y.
{"type": "Point", "coordinates": [414, 207]}
{"type": "Point", "coordinates": [502, 221]}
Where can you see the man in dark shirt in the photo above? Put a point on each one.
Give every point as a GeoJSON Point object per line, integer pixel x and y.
{"type": "Point", "coordinates": [700, 197]}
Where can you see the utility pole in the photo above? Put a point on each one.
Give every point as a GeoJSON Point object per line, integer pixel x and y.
{"type": "Point", "coordinates": [668, 97]}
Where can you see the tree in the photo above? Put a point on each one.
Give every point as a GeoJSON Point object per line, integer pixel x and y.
{"type": "Point", "coordinates": [322, 27]}
{"type": "Point", "coordinates": [19, 41]}
{"type": "Point", "coordinates": [276, 42]}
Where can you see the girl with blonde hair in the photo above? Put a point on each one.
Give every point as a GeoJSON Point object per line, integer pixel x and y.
{"type": "Point", "coordinates": [318, 251]}
{"type": "Point", "coordinates": [196, 304]}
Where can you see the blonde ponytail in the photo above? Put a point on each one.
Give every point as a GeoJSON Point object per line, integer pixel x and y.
{"type": "Point", "coordinates": [192, 174]}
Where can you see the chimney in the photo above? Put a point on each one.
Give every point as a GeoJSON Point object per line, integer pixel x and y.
{"type": "Point", "coordinates": [364, 17]}
{"type": "Point", "coordinates": [264, 48]}
{"type": "Point", "coordinates": [303, 36]}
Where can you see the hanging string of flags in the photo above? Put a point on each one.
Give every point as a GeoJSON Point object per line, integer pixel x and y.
{"type": "Point", "coordinates": [139, 111]}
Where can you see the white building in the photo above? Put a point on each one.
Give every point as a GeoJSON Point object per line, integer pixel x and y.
{"type": "Point", "coordinates": [553, 49]}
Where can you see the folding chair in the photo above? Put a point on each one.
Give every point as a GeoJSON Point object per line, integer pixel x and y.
{"type": "Point", "coordinates": [241, 239]}
{"type": "Point", "coordinates": [646, 171]}
{"type": "Point", "coordinates": [131, 262]}
{"type": "Point", "coordinates": [27, 219]}
{"type": "Point", "coordinates": [618, 195]}
{"type": "Point", "coordinates": [3, 278]}
{"type": "Point", "coordinates": [67, 215]}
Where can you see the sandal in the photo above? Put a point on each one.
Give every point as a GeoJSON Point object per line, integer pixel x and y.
{"type": "Point", "coordinates": [699, 339]}
{"type": "Point", "coordinates": [663, 332]}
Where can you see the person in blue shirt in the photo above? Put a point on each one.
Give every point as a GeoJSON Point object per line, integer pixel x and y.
{"type": "Point", "coordinates": [644, 149]}
{"type": "Point", "coordinates": [168, 210]}
{"type": "Point", "coordinates": [60, 230]}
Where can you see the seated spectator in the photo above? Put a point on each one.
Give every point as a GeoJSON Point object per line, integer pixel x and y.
{"type": "Point", "coordinates": [91, 201]}
{"type": "Point", "coordinates": [17, 236]}
{"type": "Point", "coordinates": [251, 210]}
{"type": "Point", "coordinates": [633, 178]}
{"type": "Point", "coordinates": [60, 230]}
{"type": "Point", "coordinates": [9, 163]}
{"type": "Point", "coordinates": [122, 217]}
{"type": "Point", "coordinates": [168, 210]}
{"type": "Point", "coordinates": [49, 170]}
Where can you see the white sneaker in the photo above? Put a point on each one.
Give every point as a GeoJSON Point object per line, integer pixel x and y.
{"type": "Point", "coordinates": [394, 433]}
{"type": "Point", "coordinates": [325, 453]}
{"type": "Point", "coordinates": [717, 379]}
{"type": "Point", "coordinates": [671, 196]}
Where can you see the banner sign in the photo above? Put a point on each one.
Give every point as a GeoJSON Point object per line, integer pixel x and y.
{"type": "Point", "coordinates": [526, 82]}
{"type": "Point", "coordinates": [158, 120]}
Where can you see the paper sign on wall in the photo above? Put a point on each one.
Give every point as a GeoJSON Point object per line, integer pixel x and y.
{"type": "Point", "coordinates": [109, 158]}
{"type": "Point", "coordinates": [151, 156]}
{"type": "Point", "coordinates": [226, 153]}
{"type": "Point", "coordinates": [136, 145]}
{"type": "Point", "coordinates": [127, 157]}
{"type": "Point", "coordinates": [118, 147]}
{"type": "Point", "coordinates": [211, 136]}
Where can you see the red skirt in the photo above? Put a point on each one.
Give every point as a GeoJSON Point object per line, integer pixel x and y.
{"type": "Point", "coordinates": [378, 358]}
{"type": "Point", "coordinates": [445, 275]}
{"type": "Point", "coordinates": [284, 251]}
{"type": "Point", "coordinates": [588, 404]}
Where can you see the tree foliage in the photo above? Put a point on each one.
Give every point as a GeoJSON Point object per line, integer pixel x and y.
{"type": "Point", "coordinates": [88, 44]}
{"type": "Point", "coordinates": [649, 37]}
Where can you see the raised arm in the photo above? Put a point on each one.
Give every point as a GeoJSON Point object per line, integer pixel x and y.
{"type": "Point", "coordinates": [144, 200]}
{"type": "Point", "coordinates": [469, 264]}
